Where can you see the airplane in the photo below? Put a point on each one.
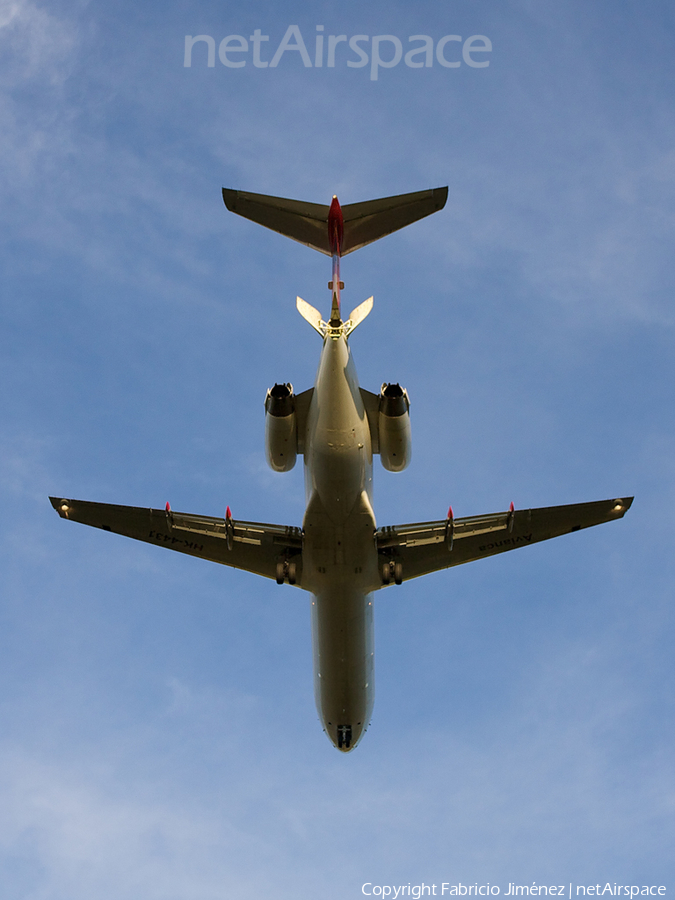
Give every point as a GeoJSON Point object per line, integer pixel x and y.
{"type": "Point", "coordinates": [339, 555]}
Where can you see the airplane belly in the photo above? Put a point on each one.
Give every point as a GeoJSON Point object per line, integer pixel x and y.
{"type": "Point", "coordinates": [338, 452]}
{"type": "Point", "coordinates": [340, 570]}
{"type": "Point", "coordinates": [339, 553]}
{"type": "Point", "coordinates": [343, 650]}
{"type": "Point", "coordinates": [338, 474]}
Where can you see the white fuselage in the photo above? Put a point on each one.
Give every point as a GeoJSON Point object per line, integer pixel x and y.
{"type": "Point", "coordinates": [339, 552]}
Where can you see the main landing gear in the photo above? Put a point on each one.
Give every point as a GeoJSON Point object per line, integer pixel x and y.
{"type": "Point", "coordinates": [392, 570]}
{"type": "Point", "coordinates": [286, 571]}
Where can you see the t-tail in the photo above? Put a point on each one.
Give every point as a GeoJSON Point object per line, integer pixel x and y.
{"type": "Point", "coordinates": [335, 230]}
{"type": "Point", "coordinates": [336, 227]}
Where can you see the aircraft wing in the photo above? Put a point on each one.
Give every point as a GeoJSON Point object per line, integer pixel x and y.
{"type": "Point", "coordinates": [429, 546]}
{"type": "Point", "coordinates": [253, 546]}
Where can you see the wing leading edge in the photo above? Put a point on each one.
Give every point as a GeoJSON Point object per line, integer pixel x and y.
{"type": "Point", "coordinates": [272, 551]}
{"type": "Point", "coordinates": [408, 551]}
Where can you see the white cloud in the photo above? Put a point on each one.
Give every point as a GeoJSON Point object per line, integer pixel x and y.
{"type": "Point", "coordinates": [36, 43]}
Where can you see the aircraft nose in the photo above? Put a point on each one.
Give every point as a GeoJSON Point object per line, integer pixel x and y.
{"type": "Point", "coordinates": [345, 737]}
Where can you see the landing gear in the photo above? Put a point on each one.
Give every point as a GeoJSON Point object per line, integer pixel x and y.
{"type": "Point", "coordinates": [286, 571]}
{"type": "Point", "coordinates": [344, 736]}
{"type": "Point", "coordinates": [393, 570]}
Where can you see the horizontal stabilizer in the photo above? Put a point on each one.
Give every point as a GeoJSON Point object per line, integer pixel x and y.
{"type": "Point", "coordinates": [373, 219]}
{"type": "Point", "coordinates": [308, 222]}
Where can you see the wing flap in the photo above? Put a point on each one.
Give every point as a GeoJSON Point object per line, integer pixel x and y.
{"type": "Point", "coordinates": [253, 546]}
{"type": "Point", "coordinates": [426, 547]}
{"type": "Point", "coordinates": [423, 533]}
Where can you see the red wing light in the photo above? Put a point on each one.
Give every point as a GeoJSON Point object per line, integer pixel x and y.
{"type": "Point", "coordinates": [511, 508]}
{"type": "Point", "coordinates": [450, 529]}
{"type": "Point", "coordinates": [228, 513]}
{"type": "Point", "coordinates": [168, 507]}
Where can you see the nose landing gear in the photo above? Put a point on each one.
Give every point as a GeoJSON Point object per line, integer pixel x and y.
{"type": "Point", "coordinates": [344, 736]}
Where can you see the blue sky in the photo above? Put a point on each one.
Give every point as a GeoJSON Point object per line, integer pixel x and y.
{"type": "Point", "coordinates": [158, 736]}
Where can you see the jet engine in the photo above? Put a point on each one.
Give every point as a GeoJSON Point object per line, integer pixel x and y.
{"type": "Point", "coordinates": [394, 427]}
{"type": "Point", "coordinates": [281, 438]}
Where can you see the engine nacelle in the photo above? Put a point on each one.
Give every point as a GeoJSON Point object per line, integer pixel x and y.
{"type": "Point", "coordinates": [394, 427]}
{"type": "Point", "coordinates": [281, 432]}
